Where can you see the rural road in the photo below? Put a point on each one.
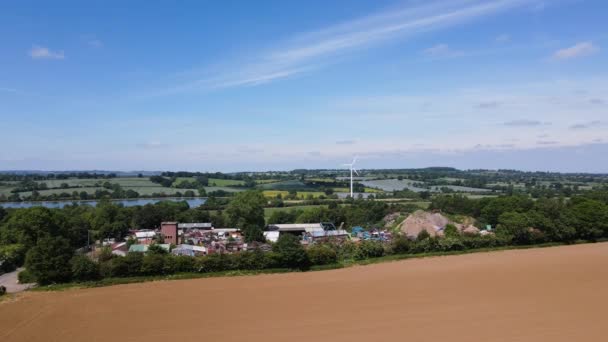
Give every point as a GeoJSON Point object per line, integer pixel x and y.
{"type": "Point", "coordinates": [547, 294]}
{"type": "Point", "coordinates": [10, 281]}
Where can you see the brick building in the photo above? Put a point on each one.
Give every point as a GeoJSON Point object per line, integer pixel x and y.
{"type": "Point", "coordinates": [169, 232]}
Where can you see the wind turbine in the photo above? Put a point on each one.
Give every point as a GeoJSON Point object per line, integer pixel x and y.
{"type": "Point", "coordinates": [352, 169]}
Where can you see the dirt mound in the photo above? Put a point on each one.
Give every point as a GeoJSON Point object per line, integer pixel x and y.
{"type": "Point", "coordinates": [421, 220]}
{"type": "Point", "coordinates": [434, 224]}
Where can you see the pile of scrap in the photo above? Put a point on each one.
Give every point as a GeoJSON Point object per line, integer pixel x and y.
{"type": "Point", "coordinates": [434, 224]}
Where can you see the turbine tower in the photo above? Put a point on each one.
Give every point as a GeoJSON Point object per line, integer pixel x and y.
{"type": "Point", "coordinates": [352, 169]}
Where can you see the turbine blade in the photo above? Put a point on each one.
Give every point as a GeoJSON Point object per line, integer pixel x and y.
{"type": "Point", "coordinates": [356, 172]}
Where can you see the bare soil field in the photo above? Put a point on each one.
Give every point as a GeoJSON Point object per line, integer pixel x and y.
{"type": "Point", "coordinates": [549, 294]}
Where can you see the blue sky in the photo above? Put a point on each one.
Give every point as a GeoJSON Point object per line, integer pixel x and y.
{"type": "Point", "coordinates": [259, 85]}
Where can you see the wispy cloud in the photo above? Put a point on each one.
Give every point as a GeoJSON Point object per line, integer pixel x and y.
{"type": "Point", "coordinates": [345, 142]}
{"type": "Point", "coordinates": [503, 38]}
{"type": "Point", "coordinates": [597, 101]}
{"type": "Point", "coordinates": [578, 50]}
{"type": "Point", "coordinates": [488, 105]}
{"type": "Point", "coordinates": [313, 50]}
{"type": "Point", "coordinates": [40, 52]}
{"type": "Point", "coordinates": [547, 142]}
{"type": "Point", "coordinates": [525, 123]}
{"type": "Point", "coordinates": [442, 51]}
{"type": "Point", "coordinates": [96, 43]}
{"type": "Point", "coordinates": [152, 145]}
{"type": "Point", "coordinates": [586, 125]}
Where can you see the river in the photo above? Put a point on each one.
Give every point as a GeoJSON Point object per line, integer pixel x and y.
{"type": "Point", "coordinates": [192, 202]}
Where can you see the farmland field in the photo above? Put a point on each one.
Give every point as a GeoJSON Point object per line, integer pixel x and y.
{"type": "Point", "coordinates": [300, 194]}
{"type": "Point", "coordinates": [269, 211]}
{"type": "Point", "coordinates": [283, 185]}
{"type": "Point", "coordinates": [224, 182]}
{"type": "Point", "coordinates": [550, 294]}
{"type": "Point", "coordinates": [459, 188]}
{"type": "Point", "coordinates": [393, 184]}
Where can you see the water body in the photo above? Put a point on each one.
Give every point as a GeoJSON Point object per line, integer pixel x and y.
{"type": "Point", "coordinates": [192, 202]}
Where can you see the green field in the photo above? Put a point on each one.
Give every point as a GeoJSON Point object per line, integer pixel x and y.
{"type": "Point", "coordinates": [300, 194]}
{"type": "Point", "coordinates": [124, 182]}
{"type": "Point", "coordinates": [225, 182]}
{"type": "Point", "coordinates": [266, 181]}
{"type": "Point", "coordinates": [284, 185]}
{"type": "Point", "coordinates": [269, 211]}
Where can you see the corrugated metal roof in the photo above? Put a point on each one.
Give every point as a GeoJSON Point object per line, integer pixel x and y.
{"type": "Point", "coordinates": [287, 227]}
{"type": "Point", "coordinates": [198, 225]}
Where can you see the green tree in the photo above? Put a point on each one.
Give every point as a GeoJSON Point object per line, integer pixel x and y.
{"type": "Point", "coordinates": [49, 260]}
{"type": "Point", "coordinates": [246, 211]}
{"type": "Point", "coordinates": [84, 269]}
{"type": "Point", "coordinates": [27, 226]}
{"type": "Point", "coordinates": [290, 251]}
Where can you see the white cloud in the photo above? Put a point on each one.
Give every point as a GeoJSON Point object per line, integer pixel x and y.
{"type": "Point", "coordinates": [96, 43]}
{"type": "Point", "coordinates": [442, 51]}
{"type": "Point", "coordinates": [503, 38]}
{"type": "Point", "coordinates": [312, 50]}
{"type": "Point", "coordinates": [40, 52]}
{"type": "Point", "coordinates": [579, 50]}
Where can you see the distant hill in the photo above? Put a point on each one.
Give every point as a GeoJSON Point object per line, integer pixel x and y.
{"type": "Point", "coordinates": [99, 172]}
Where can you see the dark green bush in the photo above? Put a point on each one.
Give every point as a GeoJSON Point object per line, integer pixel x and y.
{"type": "Point", "coordinates": [400, 245]}
{"type": "Point", "coordinates": [181, 263]}
{"type": "Point", "coordinates": [153, 264]}
{"type": "Point", "coordinates": [49, 260]}
{"type": "Point", "coordinates": [423, 235]}
{"type": "Point", "coordinates": [84, 269]}
{"type": "Point", "coordinates": [427, 245]}
{"type": "Point", "coordinates": [25, 277]}
{"type": "Point", "coordinates": [291, 253]}
{"type": "Point", "coordinates": [369, 249]}
{"type": "Point", "coordinates": [448, 244]}
{"type": "Point", "coordinates": [322, 254]}
{"type": "Point", "coordinates": [11, 257]}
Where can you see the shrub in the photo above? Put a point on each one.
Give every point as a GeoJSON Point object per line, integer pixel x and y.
{"type": "Point", "coordinates": [11, 257]}
{"type": "Point", "coordinates": [2, 290]}
{"type": "Point", "coordinates": [25, 277]}
{"type": "Point", "coordinates": [181, 263]}
{"type": "Point", "coordinates": [127, 266]}
{"type": "Point", "coordinates": [423, 235]}
{"type": "Point", "coordinates": [346, 251]}
{"type": "Point", "coordinates": [400, 245]}
{"type": "Point", "coordinates": [322, 254]}
{"type": "Point", "coordinates": [105, 254]}
{"type": "Point", "coordinates": [153, 264]}
{"type": "Point", "coordinates": [291, 253]}
{"type": "Point", "coordinates": [213, 263]}
{"type": "Point", "coordinates": [451, 244]}
{"type": "Point", "coordinates": [427, 245]}
{"type": "Point", "coordinates": [369, 249]}
{"type": "Point", "coordinates": [451, 231]}
{"type": "Point", "coordinates": [84, 269]}
{"type": "Point", "coordinates": [255, 260]}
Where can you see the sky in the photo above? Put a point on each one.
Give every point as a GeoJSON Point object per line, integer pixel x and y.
{"type": "Point", "coordinates": [279, 85]}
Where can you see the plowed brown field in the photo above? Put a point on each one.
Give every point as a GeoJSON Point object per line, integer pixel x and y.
{"type": "Point", "coordinates": [550, 294]}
